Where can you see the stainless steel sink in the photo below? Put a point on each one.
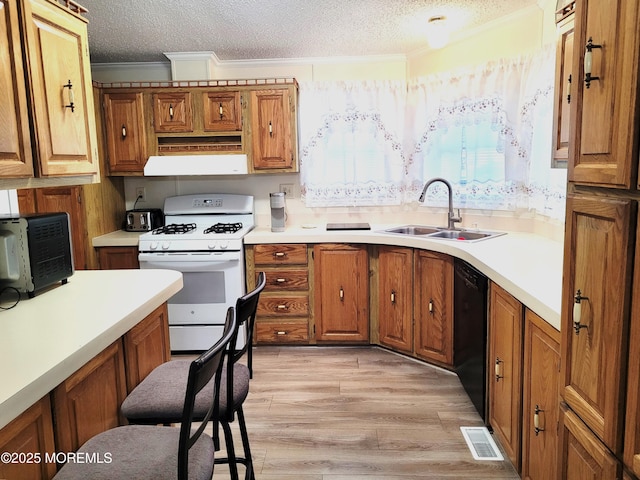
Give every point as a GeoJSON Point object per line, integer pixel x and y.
{"type": "Point", "coordinates": [413, 230]}
{"type": "Point", "coordinates": [441, 233]}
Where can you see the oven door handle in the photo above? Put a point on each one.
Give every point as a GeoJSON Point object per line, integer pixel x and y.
{"type": "Point", "coordinates": [191, 265]}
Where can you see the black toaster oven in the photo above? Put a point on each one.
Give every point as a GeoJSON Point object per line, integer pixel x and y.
{"type": "Point", "coordinates": [35, 252]}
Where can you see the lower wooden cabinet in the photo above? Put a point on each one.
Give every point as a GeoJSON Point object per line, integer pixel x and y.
{"type": "Point", "coordinates": [30, 438]}
{"type": "Point", "coordinates": [583, 454]}
{"type": "Point", "coordinates": [540, 393]}
{"type": "Point", "coordinates": [505, 370]}
{"type": "Point", "coordinates": [118, 258]}
{"type": "Point", "coordinates": [146, 346]}
{"type": "Point", "coordinates": [393, 301]}
{"type": "Point", "coordinates": [433, 306]}
{"type": "Point", "coordinates": [341, 293]}
{"type": "Point", "coordinates": [88, 402]}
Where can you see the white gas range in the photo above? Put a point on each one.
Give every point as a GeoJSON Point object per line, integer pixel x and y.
{"type": "Point", "coordinates": [202, 238]}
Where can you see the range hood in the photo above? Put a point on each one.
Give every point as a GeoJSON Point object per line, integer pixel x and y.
{"type": "Point", "coordinates": [169, 165]}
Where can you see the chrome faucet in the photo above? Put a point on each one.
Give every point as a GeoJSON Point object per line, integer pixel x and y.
{"type": "Point", "coordinates": [452, 219]}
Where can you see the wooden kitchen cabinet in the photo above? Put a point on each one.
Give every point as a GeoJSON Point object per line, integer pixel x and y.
{"type": "Point", "coordinates": [222, 111]}
{"type": "Point", "coordinates": [172, 112]}
{"type": "Point", "coordinates": [584, 456]}
{"type": "Point", "coordinates": [273, 130]}
{"type": "Point", "coordinates": [31, 434]}
{"type": "Point", "coordinates": [146, 346]}
{"type": "Point", "coordinates": [16, 158]}
{"type": "Point", "coordinates": [598, 266]}
{"type": "Point", "coordinates": [341, 293]}
{"type": "Point", "coordinates": [284, 307]}
{"type": "Point", "coordinates": [540, 399]}
{"type": "Point", "coordinates": [118, 258]}
{"type": "Point", "coordinates": [394, 297]}
{"type": "Point", "coordinates": [125, 129]}
{"type": "Point", "coordinates": [88, 402]}
{"type": "Point", "coordinates": [605, 116]}
{"type": "Point", "coordinates": [59, 75]}
{"type": "Point", "coordinates": [564, 79]}
{"type": "Point", "coordinates": [433, 307]}
{"type": "Point", "coordinates": [505, 370]}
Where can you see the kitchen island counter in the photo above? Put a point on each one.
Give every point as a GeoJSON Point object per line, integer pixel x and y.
{"type": "Point", "coordinates": [43, 340]}
{"type": "Point", "coordinates": [527, 265]}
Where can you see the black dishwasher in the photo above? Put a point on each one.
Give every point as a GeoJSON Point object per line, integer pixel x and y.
{"type": "Point", "coordinates": [470, 332]}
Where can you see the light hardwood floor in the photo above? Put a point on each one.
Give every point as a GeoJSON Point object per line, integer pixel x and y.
{"type": "Point", "coordinates": [357, 413]}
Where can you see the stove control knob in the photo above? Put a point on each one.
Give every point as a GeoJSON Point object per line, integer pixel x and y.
{"type": "Point", "coordinates": [154, 245]}
{"type": "Point", "coordinates": [224, 245]}
{"type": "Point", "coordinates": [212, 246]}
{"type": "Point", "coordinates": [165, 245]}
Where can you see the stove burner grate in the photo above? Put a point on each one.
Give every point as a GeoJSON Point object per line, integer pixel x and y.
{"type": "Point", "coordinates": [224, 228]}
{"type": "Point", "coordinates": [175, 228]}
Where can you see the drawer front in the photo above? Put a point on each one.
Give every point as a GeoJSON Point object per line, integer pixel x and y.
{"type": "Point", "coordinates": [285, 306]}
{"type": "Point", "coordinates": [282, 332]}
{"type": "Point", "coordinates": [278, 254]}
{"type": "Point", "coordinates": [283, 280]}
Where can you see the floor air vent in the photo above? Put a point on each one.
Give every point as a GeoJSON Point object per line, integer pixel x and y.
{"type": "Point", "coordinates": [481, 444]}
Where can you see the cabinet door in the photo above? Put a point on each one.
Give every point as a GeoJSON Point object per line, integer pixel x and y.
{"type": "Point", "coordinates": [341, 294]}
{"type": "Point", "coordinates": [222, 111]}
{"type": "Point", "coordinates": [60, 75]}
{"type": "Point", "coordinates": [433, 305]}
{"type": "Point", "coordinates": [562, 91]}
{"type": "Point", "coordinates": [15, 143]}
{"type": "Point", "coordinates": [584, 456]}
{"type": "Point", "coordinates": [30, 434]}
{"type": "Point", "coordinates": [172, 112]}
{"type": "Point", "coordinates": [505, 361]}
{"type": "Point", "coordinates": [146, 346]}
{"type": "Point", "coordinates": [540, 399]}
{"type": "Point", "coordinates": [118, 258]}
{"type": "Point", "coordinates": [632, 418]}
{"type": "Point", "coordinates": [67, 199]}
{"type": "Point", "coordinates": [126, 136]}
{"type": "Point", "coordinates": [271, 132]}
{"type": "Point", "coordinates": [88, 402]}
{"type": "Point", "coordinates": [597, 266]}
{"type": "Point", "coordinates": [605, 113]}
{"type": "Point", "coordinates": [395, 297]}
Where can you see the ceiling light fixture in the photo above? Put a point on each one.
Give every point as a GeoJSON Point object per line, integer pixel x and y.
{"type": "Point", "coordinates": [437, 32]}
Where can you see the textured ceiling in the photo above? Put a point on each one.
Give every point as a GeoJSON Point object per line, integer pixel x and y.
{"type": "Point", "coordinates": [140, 31]}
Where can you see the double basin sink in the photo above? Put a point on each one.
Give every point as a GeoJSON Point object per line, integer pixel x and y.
{"type": "Point", "coordinates": [441, 233]}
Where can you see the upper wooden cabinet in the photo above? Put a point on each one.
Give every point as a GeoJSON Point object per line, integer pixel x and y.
{"type": "Point", "coordinates": [603, 147]}
{"type": "Point", "coordinates": [61, 90]}
{"type": "Point", "coordinates": [56, 77]}
{"type": "Point", "coordinates": [563, 86]}
{"type": "Point", "coordinates": [125, 131]}
{"type": "Point", "coordinates": [272, 113]}
{"type": "Point", "coordinates": [222, 111]}
{"type": "Point", "coordinates": [15, 143]}
{"type": "Point", "coordinates": [341, 293]}
{"type": "Point", "coordinates": [595, 306]}
{"type": "Point", "coordinates": [172, 112]}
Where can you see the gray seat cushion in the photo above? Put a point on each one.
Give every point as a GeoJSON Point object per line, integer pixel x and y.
{"type": "Point", "coordinates": [159, 398]}
{"type": "Point", "coordinates": [140, 452]}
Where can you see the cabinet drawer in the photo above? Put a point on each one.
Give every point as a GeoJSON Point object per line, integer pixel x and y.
{"type": "Point", "coordinates": [276, 254]}
{"type": "Point", "coordinates": [282, 332]}
{"type": "Point", "coordinates": [289, 306]}
{"type": "Point", "coordinates": [282, 280]}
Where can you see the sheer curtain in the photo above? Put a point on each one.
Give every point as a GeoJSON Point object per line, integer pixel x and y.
{"type": "Point", "coordinates": [488, 131]}
{"type": "Point", "coordinates": [485, 129]}
{"type": "Point", "coordinates": [351, 142]}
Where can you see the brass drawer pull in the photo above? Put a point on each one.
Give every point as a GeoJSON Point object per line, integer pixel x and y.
{"type": "Point", "coordinates": [393, 297]}
{"type": "Point", "coordinates": [282, 307]}
{"type": "Point", "coordinates": [577, 311]}
{"type": "Point", "coordinates": [536, 420]}
{"type": "Point", "coordinates": [279, 254]}
{"type": "Point", "coordinates": [281, 332]}
{"type": "Point", "coordinates": [171, 111]}
{"type": "Point", "coordinates": [498, 369]}
{"type": "Point", "coordinates": [281, 280]}
{"type": "Point", "coordinates": [71, 104]}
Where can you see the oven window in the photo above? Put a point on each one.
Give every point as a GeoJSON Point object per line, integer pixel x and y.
{"type": "Point", "coordinates": [201, 287]}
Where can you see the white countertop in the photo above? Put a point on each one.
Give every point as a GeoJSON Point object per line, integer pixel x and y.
{"type": "Point", "coordinates": [526, 265]}
{"type": "Point", "coordinates": [43, 340]}
{"type": "Point", "coordinates": [119, 238]}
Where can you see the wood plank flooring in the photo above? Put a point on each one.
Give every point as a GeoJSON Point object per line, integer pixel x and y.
{"type": "Point", "coordinates": [357, 413]}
